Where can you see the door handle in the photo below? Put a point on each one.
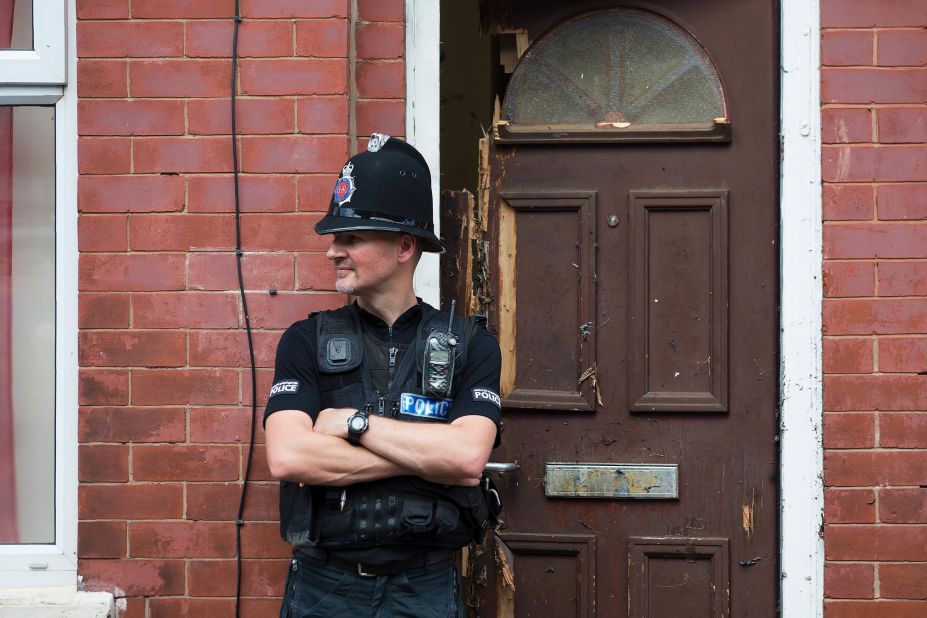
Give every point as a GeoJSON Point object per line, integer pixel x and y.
{"type": "Point", "coordinates": [492, 466]}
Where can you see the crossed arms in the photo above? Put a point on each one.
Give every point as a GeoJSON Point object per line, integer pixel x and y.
{"type": "Point", "coordinates": [319, 454]}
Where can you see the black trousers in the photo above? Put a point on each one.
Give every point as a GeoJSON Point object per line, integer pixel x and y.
{"type": "Point", "coordinates": [316, 588]}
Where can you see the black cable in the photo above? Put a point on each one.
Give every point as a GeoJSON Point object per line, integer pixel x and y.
{"type": "Point", "coordinates": [239, 520]}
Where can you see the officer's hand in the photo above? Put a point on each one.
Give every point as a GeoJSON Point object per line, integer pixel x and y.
{"type": "Point", "coordinates": [333, 422]}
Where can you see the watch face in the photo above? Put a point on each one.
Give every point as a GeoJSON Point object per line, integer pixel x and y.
{"type": "Point", "coordinates": [357, 424]}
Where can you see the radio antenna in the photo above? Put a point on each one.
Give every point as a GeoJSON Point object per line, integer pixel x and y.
{"type": "Point", "coordinates": [450, 322]}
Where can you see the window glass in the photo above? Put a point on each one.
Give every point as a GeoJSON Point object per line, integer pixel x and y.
{"type": "Point", "coordinates": [16, 24]}
{"type": "Point", "coordinates": [613, 68]}
{"type": "Point", "coordinates": [27, 325]}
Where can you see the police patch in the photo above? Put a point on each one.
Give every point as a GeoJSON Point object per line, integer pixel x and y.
{"type": "Point", "coordinates": [484, 394]}
{"type": "Point", "coordinates": [411, 404]}
{"type": "Point", "coordinates": [284, 387]}
{"type": "Point", "coordinates": [344, 188]}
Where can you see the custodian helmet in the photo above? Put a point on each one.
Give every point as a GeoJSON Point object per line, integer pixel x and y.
{"type": "Point", "coordinates": [386, 188]}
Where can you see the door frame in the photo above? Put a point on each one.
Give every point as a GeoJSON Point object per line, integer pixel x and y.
{"type": "Point", "coordinates": [801, 499]}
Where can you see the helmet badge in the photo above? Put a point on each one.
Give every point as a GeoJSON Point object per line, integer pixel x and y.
{"type": "Point", "coordinates": [344, 188]}
{"type": "Point", "coordinates": [377, 140]}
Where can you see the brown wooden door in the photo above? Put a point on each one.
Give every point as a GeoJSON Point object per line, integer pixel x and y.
{"type": "Point", "coordinates": [634, 292]}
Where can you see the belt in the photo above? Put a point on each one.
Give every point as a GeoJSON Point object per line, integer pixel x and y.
{"type": "Point", "coordinates": [364, 569]}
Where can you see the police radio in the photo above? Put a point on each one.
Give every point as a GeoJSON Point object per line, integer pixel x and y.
{"type": "Point", "coordinates": [438, 366]}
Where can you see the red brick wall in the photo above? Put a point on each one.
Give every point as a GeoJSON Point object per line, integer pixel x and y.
{"type": "Point", "coordinates": [874, 86]}
{"type": "Point", "coordinates": [164, 388]}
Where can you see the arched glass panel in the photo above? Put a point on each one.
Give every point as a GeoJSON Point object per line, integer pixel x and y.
{"type": "Point", "coordinates": [615, 69]}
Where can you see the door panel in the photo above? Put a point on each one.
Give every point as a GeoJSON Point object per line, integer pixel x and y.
{"type": "Point", "coordinates": [635, 299]}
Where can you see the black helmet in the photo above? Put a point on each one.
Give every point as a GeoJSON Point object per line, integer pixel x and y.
{"type": "Point", "coordinates": [386, 188]}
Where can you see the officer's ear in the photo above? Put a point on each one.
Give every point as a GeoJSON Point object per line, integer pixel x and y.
{"type": "Point", "coordinates": [409, 249]}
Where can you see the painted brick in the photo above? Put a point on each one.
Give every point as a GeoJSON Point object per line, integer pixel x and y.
{"type": "Point", "coordinates": [103, 387]}
{"type": "Point", "coordinates": [102, 9]}
{"type": "Point", "coordinates": [255, 38]}
{"type": "Point", "coordinates": [101, 539]}
{"type": "Point", "coordinates": [263, 578]}
{"type": "Point", "coordinates": [848, 202]}
{"type": "Point", "coordinates": [223, 348]}
{"type": "Point", "coordinates": [211, 578]}
{"type": "Point", "coordinates": [903, 354]}
{"type": "Point", "coordinates": [855, 430]}
{"type": "Point", "coordinates": [905, 201]}
{"type": "Point", "coordinates": [256, 607]}
{"type": "Point", "coordinates": [299, 154]}
{"type": "Point", "coordinates": [903, 278]}
{"type": "Point", "coordinates": [315, 272]}
{"type": "Point", "coordinates": [134, 577]}
{"type": "Point", "coordinates": [186, 463]}
{"type": "Point", "coordinates": [183, 154]}
{"type": "Point", "coordinates": [260, 271]}
{"type": "Point", "coordinates": [182, 9]}
{"type": "Point", "coordinates": [256, 193]}
{"type": "Point", "coordinates": [381, 79]}
{"type": "Point", "coordinates": [134, 607]}
{"type": "Point", "coordinates": [322, 115]}
{"type": "Point", "coordinates": [219, 502]}
{"type": "Point", "coordinates": [283, 76]}
{"type": "Point", "coordinates": [262, 540]}
{"type": "Point", "coordinates": [182, 386]}
{"type": "Point", "coordinates": [903, 430]}
{"type": "Point", "coordinates": [131, 272]}
{"type": "Point", "coordinates": [903, 47]}
{"type": "Point", "coordinates": [843, 279]}
{"type": "Point", "coordinates": [187, 310]}
{"type": "Point", "coordinates": [875, 609]}
{"type": "Point", "coordinates": [842, 126]}
{"type": "Point", "coordinates": [99, 463]}
{"type": "Point", "coordinates": [162, 607]}
{"type": "Point", "coordinates": [875, 392]}
{"type": "Point", "coordinates": [120, 39]}
{"type": "Point", "coordinates": [132, 348]}
{"type": "Point", "coordinates": [283, 309]}
{"type": "Point", "coordinates": [130, 501]}
{"type": "Point", "coordinates": [902, 506]}
{"type": "Point", "coordinates": [102, 233]}
{"type": "Point", "coordinates": [890, 316]}
{"type": "Point", "coordinates": [849, 506]}
{"type": "Point", "coordinates": [265, 379]}
{"type": "Point", "coordinates": [179, 78]}
{"type": "Point", "coordinates": [325, 38]}
{"type": "Point", "coordinates": [903, 124]}
{"type": "Point", "coordinates": [875, 240]}
{"type": "Point", "coordinates": [903, 581]}
{"type": "Point", "coordinates": [102, 78]}
{"type": "Point", "coordinates": [381, 10]}
{"type": "Point", "coordinates": [846, 47]}
{"type": "Point", "coordinates": [182, 539]}
{"type": "Point", "coordinates": [102, 310]}
{"type": "Point", "coordinates": [868, 14]}
{"type": "Point", "coordinates": [137, 117]}
{"type": "Point", "coordinates": [125, 424]}
{"type": "Point", "coordinates": [253, 116]}
{"type": "Point", "coordinates": [287, 8]}
{"type": "Point", "coordinates": [223, 425]}
{"type": "Point", "coordinates": [381, 117]}
{"type": "Point", "coordinates": [871, 468]}
{"type": "Point", "coordinates": [875, 163]}
{"type": "Point", "coordinates": [314, 193]}
{"type": "Point", "coordinates": [104, 155]}
{"type": "Point", "coordinates": [876, 542]}
{"type": "Point", "coordinates": [849, 581]}
{"type": "Point", "coordinates": [873, 85]}
{"type": "Point", "coordinates": [123, 193]}
{"type": "Point", "coordinates": [848, 355]}
{"type": "Point", "coordinates": [181, 232]}
{"type": "Point", "coordinates": [380, 40]}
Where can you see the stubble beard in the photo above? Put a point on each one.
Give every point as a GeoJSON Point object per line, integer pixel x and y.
{"type": "Point", "coordinates": [344, 286]}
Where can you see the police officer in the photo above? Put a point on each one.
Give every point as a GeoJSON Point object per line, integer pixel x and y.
{"type": "Point", "coordinates": [382, 413]}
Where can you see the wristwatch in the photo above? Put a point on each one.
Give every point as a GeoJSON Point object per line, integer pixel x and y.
{"type": "Point", "coordinates": [357, 425]}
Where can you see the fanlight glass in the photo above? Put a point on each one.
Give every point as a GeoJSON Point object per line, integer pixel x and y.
{"type": "Point", "coordinates": [613, 69]}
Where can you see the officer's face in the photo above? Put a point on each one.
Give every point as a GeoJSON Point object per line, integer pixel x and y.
{"type": "Point", "coordinates": [365, 261]}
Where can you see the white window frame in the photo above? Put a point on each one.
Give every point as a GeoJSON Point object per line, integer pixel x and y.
{"type": "Point", "coordinates": [38, 78]}
{"type": "Point", "coordinates": [46, 62]}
